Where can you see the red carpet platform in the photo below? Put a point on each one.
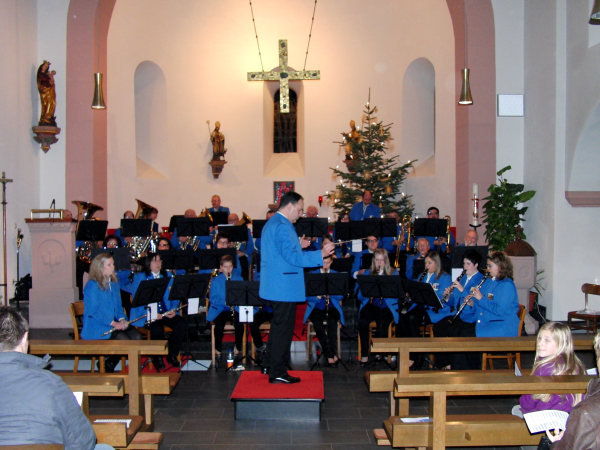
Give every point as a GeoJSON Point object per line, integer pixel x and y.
{"type": "Point", "coordinates": [257, 399]}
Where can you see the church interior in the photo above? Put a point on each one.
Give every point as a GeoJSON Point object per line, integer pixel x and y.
{"type": "Point", "coordinates": [172, 69]}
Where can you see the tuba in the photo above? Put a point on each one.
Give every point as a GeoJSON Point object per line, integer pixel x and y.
{"type": "Point", "coordinates": [85, 211]}
{"type": "Point", "coordinates": [245, 220]}
{"type": "Point", "coordinates": [194, 241]}
{"type": "Point", "coordinates": [139, 245]}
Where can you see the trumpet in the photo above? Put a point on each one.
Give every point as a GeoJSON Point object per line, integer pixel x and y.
{"type": "Point", "coordinates": [447, 295]}
{"type": "Point", "coordinates": [470, 296]}
{"type": "Point", "coordinates": [448, 233]}
{"type": "Point", "coordinates": [144, 316]}
{"type": "Point", "coordinates": [407, 221]}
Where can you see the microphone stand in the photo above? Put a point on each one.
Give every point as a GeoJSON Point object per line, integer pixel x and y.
{"type": "Point", "coordinates": [4, 180]}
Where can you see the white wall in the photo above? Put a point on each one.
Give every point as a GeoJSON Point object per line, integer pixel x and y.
{"type": "Point", "coordinates": [19, 153]}
{"type": "Point", "coordinates": [205, 49]}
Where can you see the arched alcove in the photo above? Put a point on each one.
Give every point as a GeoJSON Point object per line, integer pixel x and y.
{"type": "Point", "coordinates": [150, 91]}
{"type": "Point", "coordinates": [418, 116]}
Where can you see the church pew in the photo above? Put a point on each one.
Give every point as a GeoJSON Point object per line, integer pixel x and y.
{"type": "Point", "coordinates": [133, 349]}
{"type": "Point", "coordinates": [474, 430]}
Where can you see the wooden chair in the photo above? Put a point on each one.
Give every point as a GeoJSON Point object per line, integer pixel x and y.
{"type": "Point", "coordinates": [76, 310]}
{"type": "Point", "coordinates": [310, 334]}
{"type": "Point", "coordinates": [510, 357]}
{"type": "Point", "coordinates": [586, 319]}
{"type": "Point", "coordinates": [372, 328]}
{"type": "Point", "coordinates": [265, 328]}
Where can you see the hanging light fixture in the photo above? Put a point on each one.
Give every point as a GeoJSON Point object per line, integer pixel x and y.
{"type": "Point", "coordinates": [465, 93]}
{"type": "Point", "coordinates": [98, 101]}
{"type": "Point", "coordinates": [595, 16]}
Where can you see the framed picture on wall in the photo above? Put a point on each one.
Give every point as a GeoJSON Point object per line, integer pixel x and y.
{"type": "Point", "coordinates": [280, 188]}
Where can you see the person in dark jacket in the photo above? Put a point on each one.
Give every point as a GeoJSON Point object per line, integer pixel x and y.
{"type": "Point", "coordinates": [42, 410]}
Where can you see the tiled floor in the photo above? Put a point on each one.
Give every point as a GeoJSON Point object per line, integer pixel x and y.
{"type": "Point", "coordinates": [198, 415]}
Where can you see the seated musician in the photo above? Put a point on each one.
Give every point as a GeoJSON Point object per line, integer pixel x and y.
{"type": "Point", "coordinates": [495, 306]}
{"type": "Point", "coordinates": [222, 241]}
{"type": "Point", "coordinates": [320, 309]}
{"type": "Point", "coordinates": [247, 248]}
{"type": "Point", "coordinates": [118, 231]}
{"type": "Point", "coordinates": [216, 205]}
{"type": "Point", "coordinates": [182, 242]}
{"type": "Point", "coordinates": [471, 238]}
{"type": "Point", "coordinates": [152, 214]}
{"type": "Point", "coordinates": [102, 308]}
{"type": "Point", "coordinates": [438, 243]}
{"type": "Point", "coordinates": [264, 314]}
{"type": "Point", "coordinates": [365, 209]}
{"type": "Point", "coordinates": [343, 250]}
{"type": "Point", "coordinates": [123, 276]}
{"type": "Point", "coordinates": [166, 315]}
{"type": "Point", "coordinates": [381, 310]}
{"type": "Point", "coordinates": [391, 243]}
{"type": "Point", "coordinates": [422, 250]}
{"type": "Point", "coordinates": [372, 244]}
{"type": "Point", "coordinates": [162, 243]}
{"type": "Point", "coordinates": [270, 214]}
{"type": "Point", "coordinates": [417, 315]}
{"type": "Point", "coordinates": [39, 408]}
{"type": "Point", "coordinates": [218, 311]}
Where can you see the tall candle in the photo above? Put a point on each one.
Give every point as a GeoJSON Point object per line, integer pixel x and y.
{"type": "Point", "coordinates": [475, 190]}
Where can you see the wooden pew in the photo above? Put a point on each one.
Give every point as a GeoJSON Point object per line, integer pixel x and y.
{"type": "Point", "coordinates": [95, 386]}
{"type": "Point", "coordinates": [151, 384]}
{"type": "Point", "coordinates": [475, 430]}
{"type": "Point", "coordinates": [404, 346]}
{"type": "Point", "coordinates": [133, 349]}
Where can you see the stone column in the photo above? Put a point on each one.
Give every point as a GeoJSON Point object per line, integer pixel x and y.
{"type": "Point", "coordinates": [53, 272]}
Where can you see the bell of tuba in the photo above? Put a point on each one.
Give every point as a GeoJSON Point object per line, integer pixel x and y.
{"type": "Point", "coordinates": [143, 209]}
{"type": "Point", "coordinates": [85, 211]}
{"type": "Point", "coordinates": [139, 244]}
{"type": "Point", "coordinates": [245, 220]}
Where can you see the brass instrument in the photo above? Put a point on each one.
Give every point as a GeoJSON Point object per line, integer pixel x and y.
{"type": "Point", "coordinates": [447, 295]}
{"type": "Point", "coordinates": [139, 245]}
{"type": "Point", "coordinates": [470, 296]}
{"type": "Point", "coordinates": [194, 241]}
{"type": "Point", "coordinates": [407, 221]}
{"type": "Point", "coordinates": [245, 220]}
{"type": "Point", "coordinates": [448, 233]}
{"type": "Point", "coordinates": [214, 273]}
{"type": "Point", "coordinates": [146, 315]}
{"type": "Point", "coordinates": [402, 231]}
{"type": "Point", "coordinates": [85, 211]}
{"type": "Point", "coordinates": [143, 209]}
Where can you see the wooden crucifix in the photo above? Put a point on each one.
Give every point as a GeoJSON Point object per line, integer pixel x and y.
{"type": "Point", "coordinates": [283, 76]}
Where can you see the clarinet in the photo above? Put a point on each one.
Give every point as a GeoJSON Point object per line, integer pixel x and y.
{"type": "Point", "coordinates": [447, 295]}
{"type": "Point", "coordinates": [469, 297]}
{"type": "Point", "coordinates": [144, 317]}
{"type": "Point", "coordinates": [420, 279]}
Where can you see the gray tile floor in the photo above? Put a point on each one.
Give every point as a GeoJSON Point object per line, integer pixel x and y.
{"type": "Point", "coordinates": [198, 415]}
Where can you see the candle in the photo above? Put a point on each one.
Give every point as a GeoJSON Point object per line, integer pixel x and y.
{"type": "Point", "coordinates": [475, 190]}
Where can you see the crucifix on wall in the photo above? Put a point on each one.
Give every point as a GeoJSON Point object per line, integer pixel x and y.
{"type": "Point", "coordinates": [283, 76]}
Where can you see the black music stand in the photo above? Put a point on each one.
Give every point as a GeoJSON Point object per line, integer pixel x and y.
{"type": "Point", "coordinates": [380, 227]}
{"type": "Point", "coordinates": [219, 218]}
{"type": "Point", "coordinates": [243, 293]}
{"type": "Point", "coordinates": [177, 259]}
{"type": "Point", "coordinates": [457, 253]}
{"type": "Point", "coordinates": [257, 227]}
{"type": "Point", "coordinates": [91, 230]}
{"type": "Point", "coordinates": [119, 255]}
{"type": "Point", "coordinates": [431, 228]}
{"type": "Point", "coordinates": [316, 284]}
{"type": "Point", "coordinates": [346, 231]}
{"type": "Point", "coordinates": [150, 291]}
{"type": "Point", "coordinates": [136, 227]}
{"type": "Point", "coordinates": [311, 226]}
{"type": "Point", "coordinates": [211, 258]}
{"type": "Point", "coordinates": [376, 286]}
{"type": "Point", "coordinates": [173, 222]}
{"type": "Point", "coordinates": [193, 226]}
{"type": "Point", "coordinates": [237, 233]}
{"type": "Point", "coordinates": [344, 265]}
{"type": "Point", "coordinates": [422, 293]}
{"type": "Point", "coordinates": [185, 287]}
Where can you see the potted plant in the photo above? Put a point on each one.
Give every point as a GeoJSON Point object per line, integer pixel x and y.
{"type": "Point", "coordinates": [502, 212]}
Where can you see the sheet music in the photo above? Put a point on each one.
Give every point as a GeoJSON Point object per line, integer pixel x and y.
{"type": "Point", "coordinates": [79, 397]}
{"type": "Point", "coordinates": [246, 314]}
{"type": "Point", "coordinates": [415, 419]}
{"type": "Point", "coordinates": [517, 371]}
{"type": "Point", "coordinates": [193, 306]}
{"type": "Point", "coordinates": [550, 419]}
{"type": "Point", "coordinates": [356, 246]}
{"type": "Point", "coordinates": [153, 311]}
{"type": "Point", "coordinates": [125, 421]}
{"type": "Point", "coordinates": [592, 371]}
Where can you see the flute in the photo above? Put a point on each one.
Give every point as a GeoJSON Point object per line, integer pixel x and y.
{"type": "Point", "coordinates": [447, 295]}
{"type": "Point", "coordinates": [144, 316]}
{"type": "Point", "coordinates": [469, 297]}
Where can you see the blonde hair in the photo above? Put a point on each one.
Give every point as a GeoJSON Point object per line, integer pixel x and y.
{"type": "Point", "coordinates": [387, 269]}
{"type": "Point", "coordinates": [96, 272]}
{"type": "Point", "coordinates": [565, 361]}
{"type": "Point", "coordinates": [435, 257]}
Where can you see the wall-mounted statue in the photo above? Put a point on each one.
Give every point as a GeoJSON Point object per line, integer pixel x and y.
{"type": "Point", "coordinates": [45, 82]}
{"type": "Point", "coordinates": [218, 141]}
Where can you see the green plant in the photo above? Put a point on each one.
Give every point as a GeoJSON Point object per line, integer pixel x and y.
{"type": "Point", "coordinates": [502, 214]}
{"type": "Point", "coordinates": [538, 288]}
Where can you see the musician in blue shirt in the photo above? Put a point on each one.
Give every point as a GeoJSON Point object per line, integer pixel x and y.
{"type": "Point", "coordinates": [216, 205]}
{"type": "Point", "coordinates": [320, 309]}
{"type": "Point", "coordinates": [365, 209]}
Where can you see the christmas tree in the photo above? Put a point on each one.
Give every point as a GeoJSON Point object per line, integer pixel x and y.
{"type": "Point", "coordinates": [370, 169]}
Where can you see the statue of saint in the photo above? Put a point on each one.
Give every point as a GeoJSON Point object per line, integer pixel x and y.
{"type": "Point", "coordinates": [218, 141]}
{"type": "Point", "coordinates": [45, 82]}
{"type": "Point", "coordinates": [349, 138]}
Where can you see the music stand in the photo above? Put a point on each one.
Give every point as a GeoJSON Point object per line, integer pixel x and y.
{"type": "Point", "coordinates": [237, 233]}
{"type": "Point", "coordinates": [311, 227]}
{"type": "Point", "coordinates": [376, 286]}
{"type": "Point", "coordinates": [257, 227]}
{"type": "Point", "coordinates": [380, 227]}
{"type": "Point", "coordinates": [211, 258]}
{"type": "Point", "coordinates": [219, 218]}
{"type": "Point", "coordinates": [173, 222]}
{"type": "Point", "coordinates": [320, 284]}
{"type": "Point", "coordinates": [457, 254]}
{"type": "Point", "coordinates": [136, 227]}
{"type": "Point", "coordinates": [119, 255]}
{"type": "Point", "coordinates": [346, 231]}
{"type": "Point", "coordinates": [422, 293]}
{"type": "Point", "coordinates": [243, 293]}
{"type": "Point", "coordinates": [91, 230]}
{"type": "Point", "coordinates": [344, 265]}
{"type": "Point", "coordinates": [177, 259]}
{"type": "Point", "coordinates": [193, 226]}
{"type": "Point", "coordinates": [184, 288]}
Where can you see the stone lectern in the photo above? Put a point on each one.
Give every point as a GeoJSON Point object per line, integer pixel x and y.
{"type": "Point", "coordinates": [53, 272]}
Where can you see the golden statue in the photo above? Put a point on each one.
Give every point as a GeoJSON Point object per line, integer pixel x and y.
{"type": "Point", "coordinates": [45, 82]}
{"type": "Point", "coordinates": [218, 141]}
{"type": "Point", "coordinates": [349, 138]}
